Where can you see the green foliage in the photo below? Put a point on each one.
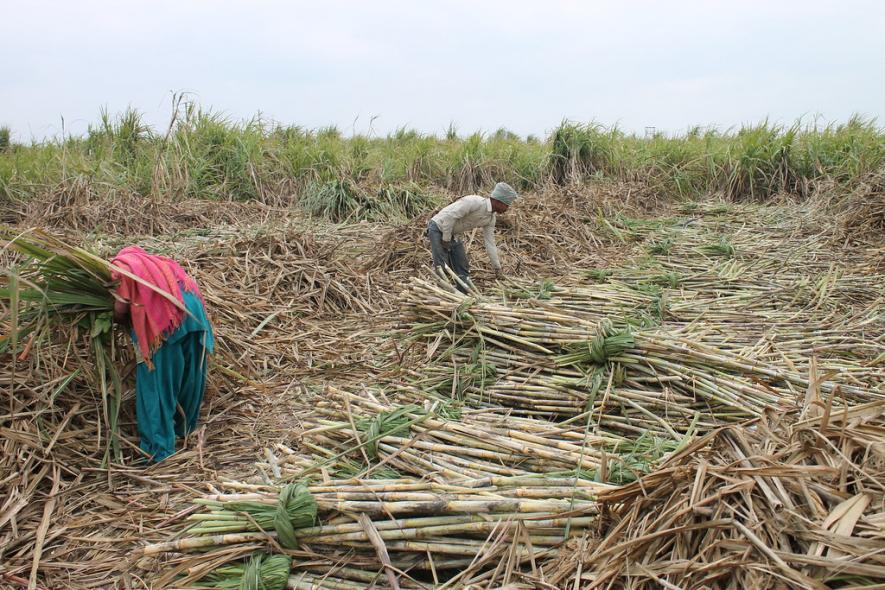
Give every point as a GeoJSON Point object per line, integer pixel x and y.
{"type": "Point", "coordinates": [341, 200]}
{"type": "Point", "coordinates": [661, 247]}
{"type": "Point", "coordinates": [543, 290]}
{"type": "Point", "coordinates": [209, 156]}
{"type": "Point", "coordinates": [600, 275]}
{"type": "Point", "coordinates": [843, 152]}
{"type": "Point", "coordinates": [262, 571]}
{"type": "Point", "coordinates": [344, 468]}
{"type": "Point", "coordinates": [667, 279]}
{"type": "Point", "coordinates": [760, 163]}
{"type": "Point", "coordinates": [472, 376]}
{"type": "Point", "coordinates": [61, 279]}
{"type": "Point", "coordinates": [337, 200]}
{"type": "Point", "coordinates": [578, 151]}
{"type": "Point", "coordinates": [406, 200]}
{"type": "Point", "coordinates": [723, 247]}
{"type": "Point", "coordinates": [385, 424]}
{"type": "Point", "coordinates": [636, 458]}
{"type": "Point", "coordinates": [216, 158]}
{"type": "Point", "coordinates": [119, 138]}
{"type": "Point", "coordinates": [609, 342]}
{"type": "Point", "coordinates": [452, 132]}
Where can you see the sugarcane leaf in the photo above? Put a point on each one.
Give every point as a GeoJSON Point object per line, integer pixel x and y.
{"type": "Point", "coordinates": [101, 324]}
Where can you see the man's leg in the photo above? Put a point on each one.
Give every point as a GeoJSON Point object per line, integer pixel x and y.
{"type": "Point", "coordinates": [440, 256]}
{"type": "Point", "coordinates": [460, 262]}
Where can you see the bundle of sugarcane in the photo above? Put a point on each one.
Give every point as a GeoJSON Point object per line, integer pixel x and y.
{"type": "Point", "coordinates": [628, 409]}
{"type": "Point", "coordinates": [806, 297]}
{"type": "Point", "coordinates": [724, 365]}
{"type": "Point", "coordinates": [266, 571]}
{"type": "Point", "coordinates": [672, 375]}
{"type": "Point", "coordinates": [687, 297]}
{"type": "Point", "coordinates": [520, 351]}
{"type": "Point", "coordinates": [58, 289]}
{"type": "Point", "coordinates": [329, 494]}
{"type": "Point", "coordinates": [847, 353]}
{"type": "Point", "coordinates": [773, 321]}
{"type": "Point", "coordinates": [736, 268]}
{"type": "Point", "coordinates": [796, 503]}
{"type": "Point", "coordinates": [261, 572]}
{"type": "Point", "coordinates": [58, 358]}
{"type": "Point", "coordinates": [529, 388]}
{"type": "Point", "coordinates": [355, 570]}
{"type": "Point", "coordinates": [521, 341]}
{"type": "Point", "coordinates": [534, 326]}
{"type": "Point", "coordinates": [758, 303]}
{"type": "Point", "coordinates": [590, 303]}
{"type": "Point", "coordinates": [345, 579]}
{"type": "Point", "coordinates": [475, 444]}
{"type": "Point", "coordinates": [388, 526]}
{"type": "Point", "coordinates": [775, 304]}
{"type": "Point", "coordinates": [66, 278]}
{"type": "Point", "coordinates": [772, 332]}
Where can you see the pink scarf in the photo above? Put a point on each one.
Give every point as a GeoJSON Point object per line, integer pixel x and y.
{"type": "Point", "coordinates": [154, 317]}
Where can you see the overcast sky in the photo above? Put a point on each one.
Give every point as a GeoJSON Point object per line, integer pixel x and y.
{"type": "Point", "coordinates": [422, 64]}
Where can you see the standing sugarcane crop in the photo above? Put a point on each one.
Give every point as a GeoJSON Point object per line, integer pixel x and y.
{"type": "Point", "coordinates": [446, 227]}
{"type": "Point", "coordinates": [172, 338]}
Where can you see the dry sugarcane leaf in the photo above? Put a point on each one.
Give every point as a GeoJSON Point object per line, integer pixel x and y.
{"type": "Point", "coordinates": [843, 519]}
{"type": "Point", "coordinates": [380, 548]}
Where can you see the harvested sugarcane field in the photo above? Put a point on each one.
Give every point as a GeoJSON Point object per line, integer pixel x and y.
{"type": "Point", "coordinates": [669, 388]}
{"type": "Point", "coordinates": [374, 338]}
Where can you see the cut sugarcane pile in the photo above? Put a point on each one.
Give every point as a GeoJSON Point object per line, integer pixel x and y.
{"type": "Point", "coordinates": [547, 360]}
{"type": "Point", "coordinates": [438, 443]}
{"type": "Point", "coordinates": [425, 527]}
{"type": "Point", "coordinates": [802, 503]}
{"type": "Point", "coordinates": [797, 499]}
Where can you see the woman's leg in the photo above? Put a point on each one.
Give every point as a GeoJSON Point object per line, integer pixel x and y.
{"type": "Point", "coordinates": [193, 383]}
{"type": "Point", "coordinates": [156, 393]}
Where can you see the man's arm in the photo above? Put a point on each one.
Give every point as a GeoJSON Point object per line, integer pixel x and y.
{"type": "Point", "coordinates": [488, 238]}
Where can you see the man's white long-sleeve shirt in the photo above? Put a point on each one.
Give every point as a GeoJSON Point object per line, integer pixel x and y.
{"type": "Point", "coordinates": [468, 213]}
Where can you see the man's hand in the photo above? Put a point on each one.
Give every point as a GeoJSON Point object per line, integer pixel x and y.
{"type": "Point", "coordinates": [447, 246]}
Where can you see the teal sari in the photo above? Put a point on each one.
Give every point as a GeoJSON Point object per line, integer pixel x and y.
{"type": "Point", "coordinates": [168, 397]}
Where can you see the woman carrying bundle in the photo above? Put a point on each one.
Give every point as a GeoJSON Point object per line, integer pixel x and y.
{"type": "Point", "coordinates": [172, 338]}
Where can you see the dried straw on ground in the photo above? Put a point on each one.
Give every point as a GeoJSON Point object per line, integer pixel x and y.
{"type": "Point", "coordinates": [791, 504]}
{"type": "Point", "coordinates": [327, 316]}
{"type": "Point", "coordinates": [80, 209]}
